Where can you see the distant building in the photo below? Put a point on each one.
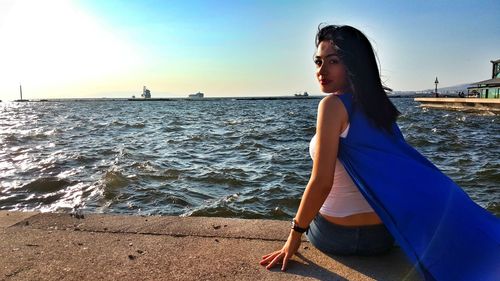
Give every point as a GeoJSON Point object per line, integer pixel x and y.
{"type": "Point", "coordinates": [488, 89]}
{"type": "Point", "coordinates": [146, 93]}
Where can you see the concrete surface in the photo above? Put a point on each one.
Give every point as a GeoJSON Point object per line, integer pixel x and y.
{"type": "Point", "coordinates": [52, 246]}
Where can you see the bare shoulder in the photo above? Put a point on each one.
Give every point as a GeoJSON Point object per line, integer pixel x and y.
{"type": "Point", "coordinates": [331, 107]}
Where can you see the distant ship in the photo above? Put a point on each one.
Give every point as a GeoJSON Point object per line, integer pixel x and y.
{"type": "Point", "coordinates": [198, 95]}
{"type": "Point", "coordinates": [305, 94]}
{"type": "Point", "coordinates": [146, 93]}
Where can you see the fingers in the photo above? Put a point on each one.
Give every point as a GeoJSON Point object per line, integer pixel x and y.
{"type": "Point", "coordinates": [275, 260]}
{"type": "Point", "coordinates": [269, 257]}
{"type": "Point", "coordinates": [264, 257]}
{"type": "Point", "coordinates": [285, 262]}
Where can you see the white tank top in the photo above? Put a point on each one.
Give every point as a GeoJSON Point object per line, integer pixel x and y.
{"type": "Point", "coordinates": [344, 198]}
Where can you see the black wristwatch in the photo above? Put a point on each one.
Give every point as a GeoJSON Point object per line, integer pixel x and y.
{"type": "Point", "coordinates": [298, 228]}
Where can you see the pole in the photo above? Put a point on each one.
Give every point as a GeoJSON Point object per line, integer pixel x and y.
{"type": "Point", "coordinates": [436, 89]}
{"type": "Point", "coordinates": [21, 91]}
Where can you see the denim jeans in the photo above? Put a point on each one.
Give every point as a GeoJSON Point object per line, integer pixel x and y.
{"type": "Point", "coordinates": [349, 240]}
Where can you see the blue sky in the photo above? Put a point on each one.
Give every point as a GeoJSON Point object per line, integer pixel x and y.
{"type": "Point", "coordinates": [93, 48]}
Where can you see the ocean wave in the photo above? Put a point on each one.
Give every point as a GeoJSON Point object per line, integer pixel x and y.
{"type": "Point", "coordinates": [46, 185]}
{"type": "Point", "coordinates": [494, 207]}
{"type": "Point", "coordinates": [221, 209]}
{"type": "Point", "coordinates": [112, 181]}
{"type": "Point", "coordinates": [228, 158]}
{"type": "Point", "coordinates": [11, 139]}
{"type": "Point", "coordinates": [219, 179]}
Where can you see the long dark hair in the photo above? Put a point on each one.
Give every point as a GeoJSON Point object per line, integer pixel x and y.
{"type": "Point", "coordinates": [356, 53]}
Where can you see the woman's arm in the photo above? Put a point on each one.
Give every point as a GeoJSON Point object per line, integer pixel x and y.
{"type": "Point", "coordinates": [332, 116]}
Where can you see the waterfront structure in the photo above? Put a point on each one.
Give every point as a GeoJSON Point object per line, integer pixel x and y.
{"type": "Point", "coordinates": [436, 89]}
{"type": "Point", "coordinates": [21, 94]}
{"type": "Point", "coordinates": [487, 89]}
{"type": "Point", "coordinates": [146, 93]}
{"type": "Point", "coordinates": [462, 104]}
{"type": "Point", "coordinates": [481, 96]}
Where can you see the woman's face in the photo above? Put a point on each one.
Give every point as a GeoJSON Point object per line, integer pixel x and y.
{"type": "Point", "coordinates": [330, 71]}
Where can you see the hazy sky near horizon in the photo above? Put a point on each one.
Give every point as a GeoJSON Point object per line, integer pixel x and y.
{"type": "Point", "coordinates": [91, 48]}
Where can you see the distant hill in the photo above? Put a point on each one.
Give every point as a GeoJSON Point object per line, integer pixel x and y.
{"type": "Point", "coordinates": [451, 90]}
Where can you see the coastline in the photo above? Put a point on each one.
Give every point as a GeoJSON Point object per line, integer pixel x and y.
{"type": "Point", "coordinates": [57, 246]}
{"type": "Point", "coordinates": [313, 97]}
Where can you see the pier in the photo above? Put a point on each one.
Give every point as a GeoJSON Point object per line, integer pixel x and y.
{"type": "Point", "coordinates": [461, 104]}
{"type": "Point", "coordinates": [61, 246]}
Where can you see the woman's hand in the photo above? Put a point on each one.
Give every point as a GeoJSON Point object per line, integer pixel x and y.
{"type": "Point", "coordinates": [291, 246]}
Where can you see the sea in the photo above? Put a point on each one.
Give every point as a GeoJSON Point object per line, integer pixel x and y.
{"type": "Point", "coordinates": [226, 158]}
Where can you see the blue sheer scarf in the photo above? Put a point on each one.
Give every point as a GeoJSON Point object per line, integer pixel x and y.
{"type": "Point", "coordinates": [442, 231]}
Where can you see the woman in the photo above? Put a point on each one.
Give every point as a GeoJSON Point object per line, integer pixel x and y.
{"type": "Point", "coordinates": [368, 185]}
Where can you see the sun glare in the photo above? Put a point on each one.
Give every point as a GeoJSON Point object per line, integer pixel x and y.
{"type": "Point", "coordinates": [47, 44]}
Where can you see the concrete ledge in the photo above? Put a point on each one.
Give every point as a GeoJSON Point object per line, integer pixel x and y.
{"type": "Point", "coordinates": [166, 225]}
{"type": "Point", "coordinates": [48, 246]}
{"type": "Point", "coordinates": [10, 218]}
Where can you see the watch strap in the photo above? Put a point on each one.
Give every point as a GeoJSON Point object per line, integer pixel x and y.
{"type": "Point", "coordinates": [297, 228]}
